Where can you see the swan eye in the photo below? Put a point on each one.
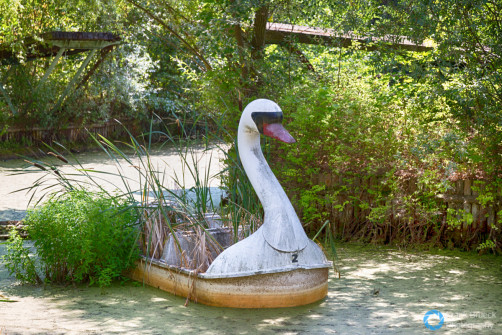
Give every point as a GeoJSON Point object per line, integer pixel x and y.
{"type": "Point", "coordinates": [261, 118]}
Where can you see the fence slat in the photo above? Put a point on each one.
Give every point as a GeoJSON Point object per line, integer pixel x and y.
{"type": "Point", "coordinates": [71, 132]}
{"type": "Point", "coordinates": [462, 197]}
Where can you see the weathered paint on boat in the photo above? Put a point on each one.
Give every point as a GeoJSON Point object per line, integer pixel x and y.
{"type": "Point", "coordinates": [269, 290]}
{"type": "Point", "coordinates": [276, 266]}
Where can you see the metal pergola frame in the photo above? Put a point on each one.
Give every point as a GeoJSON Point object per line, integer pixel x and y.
{"type": "Point", "coordinates": [55, 44]}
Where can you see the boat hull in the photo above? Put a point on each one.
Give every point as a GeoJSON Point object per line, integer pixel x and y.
{"type": "Point", "coordinates": [280, 289]}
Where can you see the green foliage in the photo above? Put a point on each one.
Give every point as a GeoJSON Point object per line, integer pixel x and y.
{"type": "Point", "coordinates": [339, 131]}
{"type": "Point", "coordinates": [311, 201]}
{"type": "Point", "coordinates": [19, 260]}
{"type": "Point", "coordinates": [488, 244]}
{"type": "Point", "coordinates": [118, 89]}
{"type": "Point", "coordinates": [489, 192]}
{"type": "Point", "coordinates": [456, 217]}
{"type": "Point", "coordinates": [79, 237]}
{"type": "Point", "coordinates": [400, 116]}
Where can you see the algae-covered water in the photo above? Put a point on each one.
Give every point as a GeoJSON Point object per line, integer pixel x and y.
{"type": "Point", "coordinates": [176, 170]}
{"type": "Point", "coordinates": [380, 291]}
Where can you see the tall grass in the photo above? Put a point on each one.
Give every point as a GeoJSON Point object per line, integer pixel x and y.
{"type": "Point", "coordinates": [163, 205]}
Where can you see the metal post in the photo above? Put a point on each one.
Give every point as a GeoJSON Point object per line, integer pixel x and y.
{"type": "Point", "coordinates": [74, 79]}
{"type": "Point", "coordinates": [50, 69]}
{"type": "Point", "coordinates": [4, 92]}
{"type": "Point", "coordinates": [9, 102]}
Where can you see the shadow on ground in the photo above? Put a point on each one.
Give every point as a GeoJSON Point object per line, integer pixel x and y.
{"type": "Point", "coordinates": [380, 291]}
{"type": "Point", "coordinates": [12, 214]}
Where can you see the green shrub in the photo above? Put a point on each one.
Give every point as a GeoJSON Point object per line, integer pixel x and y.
{"type": "Point", "coordinates": [19, 261]}
{"type": "Point", "coordinates": [79, 237]}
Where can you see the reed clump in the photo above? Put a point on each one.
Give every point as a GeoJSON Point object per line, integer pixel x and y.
{"type": "Point", "coordinates": [161, 207]}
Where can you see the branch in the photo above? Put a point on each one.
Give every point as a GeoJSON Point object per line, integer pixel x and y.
{"type": "Point", "coordinates": [104, 52]}
{"type": "Point", "coordinates": [173, 10]}
{"type": "Point", "coordinates": [173, 32]}
{"type": "Point", "coordinates": [240, 49]}
{"type": "Point", "coordinates": [301, 56]}
{"type": "Point", "coordinates": [176, 46]}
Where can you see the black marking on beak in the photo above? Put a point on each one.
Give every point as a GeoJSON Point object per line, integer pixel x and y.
{"type": "Point", "coordinates": [261, 118]}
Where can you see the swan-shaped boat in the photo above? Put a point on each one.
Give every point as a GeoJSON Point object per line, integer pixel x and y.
{"type": "Point", "coordinates": [278, 265]}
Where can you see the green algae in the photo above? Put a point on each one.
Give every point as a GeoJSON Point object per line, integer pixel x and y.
{"type": "Point", "coordinates": [381, 290]}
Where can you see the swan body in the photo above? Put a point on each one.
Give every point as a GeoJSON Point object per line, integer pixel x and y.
{"type": "Point", "coordinates": [280, 244]}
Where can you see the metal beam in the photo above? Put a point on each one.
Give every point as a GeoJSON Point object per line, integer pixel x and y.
{"type": "Point", "coordinates": [278, 33]}
{"type": "Point", "coordinates": [50, 69]}
{"type": "Point", "coordinates": [9, 102]}
{"type": "Point", "coordinates": [74, 79]}
{"type": "Point", "coordinates": [87, 45]}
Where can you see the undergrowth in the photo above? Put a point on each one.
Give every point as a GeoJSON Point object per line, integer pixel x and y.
{"type": "Point", "coordinates": [79, 237]}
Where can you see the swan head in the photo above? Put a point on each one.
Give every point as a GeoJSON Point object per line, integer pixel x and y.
{"type": "Point", "coordinates": [264, 116]}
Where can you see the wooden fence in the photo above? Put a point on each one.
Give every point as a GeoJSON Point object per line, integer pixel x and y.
{"type": "Point", "coordinates": [110, 130]}
{"type": "Point", "coordinates": [72, 132]}
{"type": "Point", "coordinates": [458, 214]}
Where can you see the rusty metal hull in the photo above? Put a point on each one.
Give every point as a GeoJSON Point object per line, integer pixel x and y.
{"type": "Point", "coordinates": [280, 289]}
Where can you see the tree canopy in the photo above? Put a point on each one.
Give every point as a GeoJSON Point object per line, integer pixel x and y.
{"type": "Point", "coordinates": [436, 113]}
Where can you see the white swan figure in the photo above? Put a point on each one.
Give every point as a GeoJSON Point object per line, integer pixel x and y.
{"type": "Point", "coordinates": [280, 244]}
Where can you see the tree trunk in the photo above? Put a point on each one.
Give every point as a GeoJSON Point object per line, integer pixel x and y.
{"type": "Point", "coordinates": [104, 52]}
{"type": "Point", "coordinates": [259, 29]}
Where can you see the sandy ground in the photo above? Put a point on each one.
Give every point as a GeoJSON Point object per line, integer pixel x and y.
{"type": "Point", "coordinates": [381, 291]}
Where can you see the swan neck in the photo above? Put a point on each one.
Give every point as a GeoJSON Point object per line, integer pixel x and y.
{"type": "Point", "coordinates": [256, 167]}
{"type": "Point", "coordinates": [281, 227]}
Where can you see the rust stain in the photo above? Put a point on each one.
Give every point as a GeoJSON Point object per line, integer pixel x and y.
{"type": "Point", "coordinates": [284, 289]}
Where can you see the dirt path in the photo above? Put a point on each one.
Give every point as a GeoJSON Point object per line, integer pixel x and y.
{"type": "Point", "coordinates": [381, 291]}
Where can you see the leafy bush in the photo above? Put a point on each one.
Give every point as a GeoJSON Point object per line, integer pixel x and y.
{"type": "Point", "coordinates": [19, 261]}
{"type": "Point", "coordinates": [374, 163]}
{"type": "Point", "coordinates": [79, 237]}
